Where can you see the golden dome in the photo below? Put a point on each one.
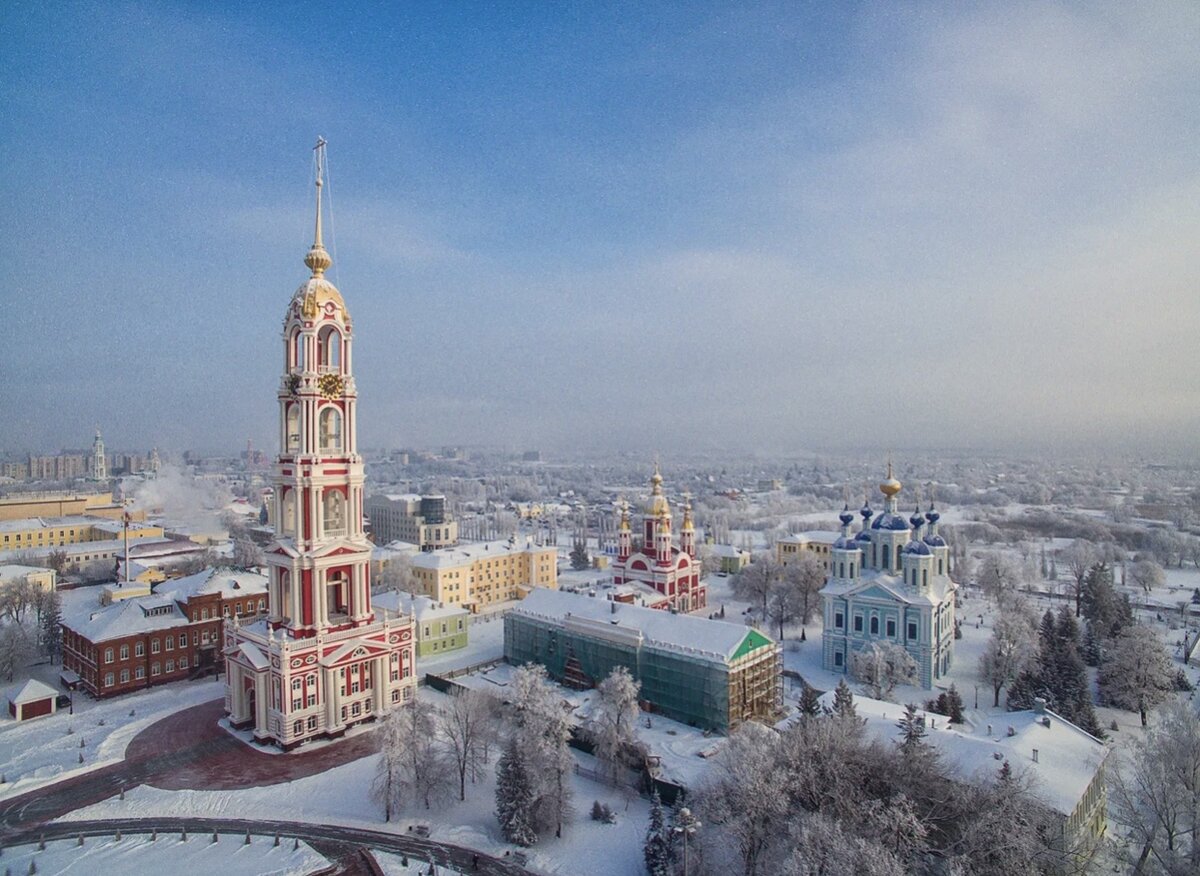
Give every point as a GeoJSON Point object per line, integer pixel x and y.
{"type": "Point", "coordinates": [657, 504]}
{"type": "Point", "coordinates": [624, 516]}
{"type": "Point", "coordinates": [315, 292]}
{"type": "Point", "coordinates": [891, 486]}
{"type": "Point", "coordinates": [688, 525]}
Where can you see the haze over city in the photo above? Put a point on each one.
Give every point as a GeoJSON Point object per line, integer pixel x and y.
{"type": "Point", "coordinates": [620, 227]}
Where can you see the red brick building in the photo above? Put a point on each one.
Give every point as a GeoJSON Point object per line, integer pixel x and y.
{"type": "Point", "coordinates": [174, 634]}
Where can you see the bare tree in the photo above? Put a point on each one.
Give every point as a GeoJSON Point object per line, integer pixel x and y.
{"type": "Point", "coordinates": [1136, 673]}
{"type": "Point", "coordinates": [1155, 792]}
{"type": "Point", "coordinates": [805, 575]}
{"type": "Point", "coordinates": [467, 724]}
{"type": "Point", "coordinates": [412, 762]}
{"type": "Point", "coordinates": [1147, 574]}
{"type": "Point", "coordinates": [754, 582]}
{"type": "Point", "coordinates": [1010, 649]}
{"type": "Point", "coordinates": [998, 575]}
{"type": "Point", "coordinates": [881, 666]}
{"type": "Point", "coordinates": [613, 722]}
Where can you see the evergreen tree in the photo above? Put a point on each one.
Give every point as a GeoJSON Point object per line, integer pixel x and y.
{"type": "Point", "coordinates": [810, 701]}
{"type": "Point", "coordinates": [843, 701]}
{"type": "Point", "coordinates": [1091, 646]}
{"type": "Point", "coordinates": [912, 728]}
{"type": "Point", "coordinates": [579, 555]}
{"type": "Point", "coordinates": [657, 850]}
{"type": "Point", "coordinates": [515, 797]}
{"type": "Point", "coordinates": [51, 619]}
{"type": "Point", "coordinates": [954, 705]}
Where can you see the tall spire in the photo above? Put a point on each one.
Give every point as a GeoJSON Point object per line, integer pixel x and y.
{"type": "Point", "coordinates": [318, 259]}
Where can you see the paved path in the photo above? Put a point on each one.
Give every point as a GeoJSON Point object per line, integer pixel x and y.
{"type": "Point", "coordinates": [188, 750]}
{"type": "Point", "coordinates": [338, 842]}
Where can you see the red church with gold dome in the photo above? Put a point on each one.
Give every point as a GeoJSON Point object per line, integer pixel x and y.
{"type": "Point", "coordinates": [656, 562]}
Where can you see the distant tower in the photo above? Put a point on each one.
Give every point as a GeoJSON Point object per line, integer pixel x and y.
{"type": "Point", "coordinates": [155, 462]}
{"type": "Point", "coordinates": [322, 660]}
{"type": "Point", "coordinates": [99, 459]}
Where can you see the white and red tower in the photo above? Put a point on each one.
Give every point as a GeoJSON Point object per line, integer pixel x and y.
{"type": "Point", "coordinates": [658, 564]}
{"type": "Point", "coordinates": [323, 659]}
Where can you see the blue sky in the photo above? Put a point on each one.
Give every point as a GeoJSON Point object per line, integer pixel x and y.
{"type": "Point", "coordinates": [641, 227]}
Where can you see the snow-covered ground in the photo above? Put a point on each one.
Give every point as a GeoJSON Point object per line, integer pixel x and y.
{"type": "Point", "coordinates": [341, 796]}
{"type": "Point", "coordinates": [485, 641]}
{"type": "Point", "coordinates": [136, 853]}
{"type": "Point", "coordinates": [43, 750]}
{"type": "Point", "coordinates": [393, 865]}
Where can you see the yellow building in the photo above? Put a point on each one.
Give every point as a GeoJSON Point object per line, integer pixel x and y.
{"type": "Point", "coordinates": [478, 575]}
{"type": "Point", "coordinates": [13, 573]}
{"type": "Point", "coordinates": [40, 532]}
{"type": "Point", "coordinates": [816, 542]}
{"type": "Point", "coordinates": [61, 504]}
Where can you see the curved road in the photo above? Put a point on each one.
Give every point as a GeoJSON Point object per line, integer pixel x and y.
{"type": "Point", "coordinates": [188, 750]}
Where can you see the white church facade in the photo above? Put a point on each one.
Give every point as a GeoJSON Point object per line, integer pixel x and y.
{"type": "Point", "coordinates": [890, 582]}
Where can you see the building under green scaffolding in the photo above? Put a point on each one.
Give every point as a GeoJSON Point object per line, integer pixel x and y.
{"type": "Point", "coordinates": [706, 673]}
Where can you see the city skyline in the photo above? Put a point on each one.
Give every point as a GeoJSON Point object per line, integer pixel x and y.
{"type": "Point", "coordinates": [897, 226]}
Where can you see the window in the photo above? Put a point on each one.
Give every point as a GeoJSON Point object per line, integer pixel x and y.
{"type": "Point", "coordinates": [296, 682]}
{"type": "Point", "coordinates": [170, 644]}
{"type": "Point", "coordinates": [139, 649]}
{"type": "Point", "coordinates": [139, 673]}
{"type": "Point", "coordinates": [296, 704]}
{"type": "Point", "coordinates": [124, 676]}
{"type": "Point", "coordinates": [170, 666]}
{"type": "Point", "coordinates": [837, 658]}
{"type": "Point", "coordinates": [912, 629]}
{"type": "Point", "coordinates": [330, 430]}
{"type": "Point", "coordinates": [298, 728]}
{"type": "Point", "coordinates": [262, 605]}
{"type": "Point", "coordinates": [108, 679]}
{"type": "Point", "coordinates": [874, 625]}
{"type": "Point", "coordinates": [407, 690]}
{"type": "Point", "coordinates": [891, 628]}
{"type": "Point", "coordinates": [108, 655]}
{"type": "Point", "coordinates": [312, 722]}
{"type": "Point", "coordinates": [155, 669]}
{"type": "Point", "coordinates": [224, 611]}
{"type": "Point", "coordinates": [124, 652]}
{"type": "Point", "coordinates": [237, 609]}
{"type": "Point", "coordinates": [395, 696]}
{"type": "Point", "coordinates": [356, 709]}
{"type": "Point", "coordinates": [311, 700]}
{"type": "Point", "coordinates": [858, 623]}
{"type": "Point", "coordinates": [154, 646]}
{"type": "Point", "coordinates": [183, 663]}
{"type": "Point", "coordinates": [838, 620]}
{"type": "Point", "coordinates": [204, 614]}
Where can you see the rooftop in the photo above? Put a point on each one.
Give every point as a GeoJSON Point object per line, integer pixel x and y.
{"type": "Point", "coordinates": [465, 553]}
{"type": "Point", "coordinates": [229, 583]}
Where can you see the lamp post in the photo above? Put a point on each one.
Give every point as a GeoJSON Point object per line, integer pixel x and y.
{"type": "Point", "coordinates": [685, 826]}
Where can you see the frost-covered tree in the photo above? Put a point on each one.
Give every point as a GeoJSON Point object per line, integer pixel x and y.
{"type": "Point", "coordinates": [810, 701]}
{"type": "Point", "coordinates": [1136, 673]}
{"type": "Point", "coordinates": [998, 575]}
{"type": "Point", "coordinates": [544, 731]}
{"type": "Point", "coordinates": [1147, 574]}
{"type": "Point", "coordinates": [1080, 555]}
{"type": "Point", "coordinates": [516, 796]}
{"type": "Point", "coordinates": [881, 666]}
{"type": "Point", "coordinates": [756, 580]}
{"type": "Point", "coordinates": [843, 701]}
{"type": "Point", "coordinates": [413, 763]}
{"type": "Point", "coordinates": [1105, 610]}
{"type": "Point", "coordinates": [16, 648]}
{"type": "Point", "coordinates": [821, 847]}
{"type": "Point", "coordinates": [613, 722]}
{"type": "Point", "coordinates": [1155, 793]}
{"type": "Point", "coordinates": [1010, 648]}
{"type": "Point", "coordinates": [246, 554]}
{"type": "Point", "coordinates": [50, 618]}
{"type": "Point", "coordinates": [657, 849]}
{"type": "Point", "coordinates": [742, 793]}
{"type": "Point", "coordinates": [396, 576]}
{"type": "Point", "coordinates": [912, 732]}
{"type": "Point", "coordinates": [804, 576]}
{"type": "Point", "coordinates": [895, 825]}
{"type": "Point", "coordinates": [468, 724]}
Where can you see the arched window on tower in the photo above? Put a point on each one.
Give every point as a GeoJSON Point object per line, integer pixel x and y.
{"type": "Point", "coordinates": [297, 351]}
{"type": "Point", "coordinates": [293, 428]}
{"type": "Point", "coordinates": [887, 558]}
{"type": "Point", "coordinates": [333, 513]}
{"type": "Point", "coordinates": [331, 429]}
{"type": "Point", "coordinates": [287, 517]}
{"type": "Point", "coordinates": [329, 350]}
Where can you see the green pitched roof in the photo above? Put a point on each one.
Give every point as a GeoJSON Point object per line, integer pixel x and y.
{"type": "Point", "coordinates": [753, 641]}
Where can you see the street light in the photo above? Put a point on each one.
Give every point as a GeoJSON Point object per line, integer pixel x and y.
{"type": "Point", "coordinates": [686, 826]}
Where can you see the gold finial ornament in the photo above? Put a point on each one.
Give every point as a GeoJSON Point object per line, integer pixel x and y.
{"type": "Point", "coordinates": [624, 516]}
{"type": "Point", "coordinates": [891, 486]}
{"type": "Point", "coordinates": [688, 525]}
{"type": "Point", "coordinates": [318, 259]}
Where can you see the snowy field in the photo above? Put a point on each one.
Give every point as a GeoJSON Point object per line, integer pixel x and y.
{"type": "Point", "coordinates": [136, 853]}
{"type": "Point", "coordinates": [341, 796]}
{"type": "Point", "coordinates": [43, 750]}
{"type": "Point", "coordinates": [393, 865]}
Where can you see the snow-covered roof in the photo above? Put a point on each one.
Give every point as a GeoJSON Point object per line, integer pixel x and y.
{"type": "Point", "coordinates": [1067, 757]}
{"type": "Point", "coordinates": [728, 551]}
{"type": "Point", "coordinates": [939, 587]}
{"type": "Point", "coordinates": [229, 583]}
{"type": "Point", "coordinates": [467, 553]}
{"type": "Point", "coordinates": [701, 637]}
{"type": "Point", "coordinates": [421, 607]}
{"type": "Point", "coordinates": [820, 536]}
{"type": "Point", "coordinates": [29, 691]}
{"type": "Point", "coordinates": [125, 618]}
{"type": "Point", "coordinates": [13, 571]}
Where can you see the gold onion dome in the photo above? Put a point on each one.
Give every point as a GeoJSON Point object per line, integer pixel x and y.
{"type": "Point", "coordinates": [688, 525]}
{"type": "Point", "coordinates": [891, 486]}
{"type": "Point", "coordinates": [657, 504]}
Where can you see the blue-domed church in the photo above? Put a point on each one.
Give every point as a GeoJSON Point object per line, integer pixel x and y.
{"type": "Point", "coordinates": [890, 582]}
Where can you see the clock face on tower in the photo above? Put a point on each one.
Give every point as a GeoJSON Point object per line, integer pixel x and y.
{"type": "Point", "coordinates": [331, 385]}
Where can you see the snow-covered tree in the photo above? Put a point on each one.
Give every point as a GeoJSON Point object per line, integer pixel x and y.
{"type": "Point", "coordinates": [516, 796]}
{"type": "Point", "coordinates": [50, 618]}
{"type": "Point", "coordinates": [998, 575]}
{"type": "Point", "coordinates": [16, 648]}
{"type": "Point", "coordinates": [468, 724]}
{"type": "Point", "coordinates": [912, 732]}
{"type": "Point", "coordinates": [413, 763]}
{"type": "Point", "coordinates": [1080, 555]}
{"type": "Point", "coordinates": [805, 576]}
{"type": "Point", "coordinates": [1106, 610]}
{"type": "Point", "coordinates": [821, 847]}
{"type": "Point", "coordinates": [810, 701]}
{"type": "Point", "coordinates": [881, 666]}
{"type": "Point", "coordinates": [1147, 574]}
{"type": "Point", "coordinates": [544, 731]}
{"type": "Point", "coordinates": [1010, 648]}
{"type": "Point", "coordinates": [396, 576]}
{"type": "Point", "coordinates": [756, 580]}
{"type": "Point", "coordinates": [895, 825]}
{"type": "Point", "coordinates": [246, 554]}
{"type": "Point", "coordinates": [1136, 673]}
{"type": "Point", "coordinates": [742, 793]}
{"type": "Point", "coordinates": [657, 849]}
{"type": "Point", "coordinates": [843, 701]}
{"type": "Point", "coordinates": [1155, 792]}
{"type": "Point", "coordinates": [613, 722]}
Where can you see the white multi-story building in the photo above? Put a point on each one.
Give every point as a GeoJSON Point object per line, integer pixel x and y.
{"type": "Point", "coordinates": [890, 582]}
{"type": "Point", "coordinates": [323, 659]}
